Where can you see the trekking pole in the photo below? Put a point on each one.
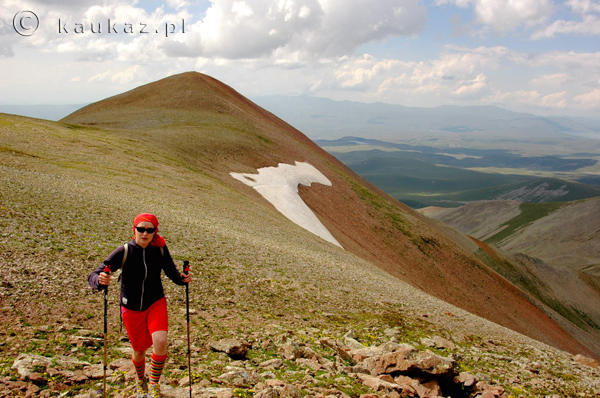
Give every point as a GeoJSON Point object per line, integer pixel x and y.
{"type": "Point", "coordinates": [186, 270]}
{"type": "Point", "coordinates": [107, 271]}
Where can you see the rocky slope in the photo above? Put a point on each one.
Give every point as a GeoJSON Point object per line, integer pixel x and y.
{"type": "Point", "coordinates": [554, 247]}
{"type": "Point", "coordinates": [69, 192]}
{"type": "Point", "coordinates": [212, 128]}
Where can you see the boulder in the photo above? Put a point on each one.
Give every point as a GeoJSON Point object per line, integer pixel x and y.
{"type": "Point", "coordinates": [466, 379]}
{"type": "Point", "coordinates": [232, 347]}
{"type": "Point", "coordinates": [27, 364]}
{"type": "Point", "coordinates": [291, 350]}
{"type": "Point", "coordinates": [240, 377]}
{"type": "Point", "coordinates": [377, 384]}
{"type": "Point", "coordinates": [408, 360]}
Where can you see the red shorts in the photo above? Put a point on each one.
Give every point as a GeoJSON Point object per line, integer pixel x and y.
{"type": "Point", "coordinates": [141, 324]}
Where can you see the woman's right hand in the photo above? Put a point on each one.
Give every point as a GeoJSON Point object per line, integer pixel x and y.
{"type": "Point", "coordinates": [104, 279]}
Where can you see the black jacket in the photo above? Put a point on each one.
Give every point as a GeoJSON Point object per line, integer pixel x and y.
{"type": "Point", "coordinates": [141, 284]}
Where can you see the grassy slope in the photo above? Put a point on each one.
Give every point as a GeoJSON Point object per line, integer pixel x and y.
{"type": "Point", "coordinates": [560, 234]}
{"type": "Point", "coordinates": [69, 191]}
{"type": "Point", "coordinates": [214, 130]}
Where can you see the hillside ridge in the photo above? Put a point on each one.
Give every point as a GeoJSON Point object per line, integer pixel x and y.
{"type": "Point", "coordinates": [70, 190]}
{"type": "Point", "coordinates": [553, 245]}
{"type": "Point", "coordinates": [207, 123]}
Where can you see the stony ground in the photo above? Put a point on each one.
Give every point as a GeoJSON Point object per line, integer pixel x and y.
{"type": "Point", "coordinates": [259, 279]}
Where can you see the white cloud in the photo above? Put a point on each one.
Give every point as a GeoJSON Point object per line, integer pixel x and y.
{"type": "Point", "coordinates": [298, 28]}
{"type": "Point", "coordinates": [590, 100]}
{"type": "Point", "coordinates": [472, 88]}
{"type": "Point", "coordinates": [506, 15]}
{"type": "Point", "coordinates": [178, 4]}
{"type": "Point", "coordinates": [584, 6]}
{"type": "Point", "coordinates": [590, 25]}
{"type": "Point", "coordinates": [100, 77]}
{"type": "Point", "coordinates": [551, 80]}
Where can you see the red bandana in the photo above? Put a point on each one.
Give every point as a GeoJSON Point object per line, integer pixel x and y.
{"type": "Point", "coordinates": [151, 218]}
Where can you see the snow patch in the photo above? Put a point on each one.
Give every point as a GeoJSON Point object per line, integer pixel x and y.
{"type": "Point", "coordinates": [279, 185]}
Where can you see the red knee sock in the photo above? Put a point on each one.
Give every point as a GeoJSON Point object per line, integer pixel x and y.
{"type": "Point", "coordinates": [156, 367]}
{"type": "Point", "coordinates": [140, 368]}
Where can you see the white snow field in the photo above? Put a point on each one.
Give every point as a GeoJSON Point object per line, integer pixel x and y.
{"type": "Point", "coordinates": [279, 185]}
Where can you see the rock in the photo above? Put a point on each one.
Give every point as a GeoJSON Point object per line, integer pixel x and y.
{"type": "Point", "coordinates": [37, 378]}
{"type": "Point", "coordinates": [377, 384]}
{"type": "Point", "coordinates": [360, 355]}
{"type": "Point", "coordinates": [430, 388]}
{"type": "Point", "coordinates": [438, 342]}
{"type": "Point", "coordinates": [357, 369]}
{"type": "Point", "coordinates": [232, 347]}
{"type": "Point", "coordinates": [289, 391]}
{"type": "Point", "coordinates": [184, 382]}
{"type": "Point", "coordinates": [268, 392]}
{"type": "Point", "coordinates": [408, 385]}
{"type": "Point", "coordinates": [278, 388]}
{"type": "Point", "coordinates": [339, 348]}
{"type": "Point", "coordinates": [466, 379]}
{"type": "Point", "coordinates": [121, 364]}
{"type": "Point", "coordinates": [407, 359]}
{"type": "Point", "coordinates": [387, 378]}
{"type": "Point", "coordinates": [26, 364]}
{"type": "Point", "coordinates": [585, 361]}
{"type": "Point", "coordinates": [272, 363]}
{"type": "Point", "coordinates": [352, 343]}
{"type": "Point", "coordinates": [444, 343]}
{"type": "Point", "coordinates": [291, 350]}
{"type": "Point", "coordinates": [240, 377]}
{"type": "Point", "coordinates": [78, 377]}
{"type": "Point", "coordinates": [275, 383]}
{"type": "Point", "coordinates": [94, 372]}
{"type": "Point", "coordinates": [216, 392]}
{"type": "Point", "coordinates": [484, 390]}
{"type": "Point", "coordinates": [85, 341]}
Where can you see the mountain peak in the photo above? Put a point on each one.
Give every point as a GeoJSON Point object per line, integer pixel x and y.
{"type": "Point", "coordinates": [172, 100]}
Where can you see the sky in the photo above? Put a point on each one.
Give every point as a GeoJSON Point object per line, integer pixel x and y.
{"type": "Point", "coordinates": [537, 56]}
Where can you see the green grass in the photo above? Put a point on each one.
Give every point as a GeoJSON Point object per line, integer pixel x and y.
{"type": "Point", "coordinates": [419, 180]}
{"type": "Point", "coordinates": [530, 212]}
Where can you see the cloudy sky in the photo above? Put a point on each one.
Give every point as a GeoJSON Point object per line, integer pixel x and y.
{"type": "Point", "coordinates": [539, 56]}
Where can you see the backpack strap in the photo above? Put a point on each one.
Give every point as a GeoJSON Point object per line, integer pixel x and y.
{"type": "Point", "coordinates": [120, 271]}
{"type": "Point", "coordinates": [126, 249]}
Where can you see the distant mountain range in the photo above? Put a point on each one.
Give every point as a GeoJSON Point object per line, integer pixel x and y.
{"type": "Point", "coordinates": [46, 112]}
{"type": "Point", "coordinates": [323, 118]}
{"type": "Point", "coordinates": [327, 119]}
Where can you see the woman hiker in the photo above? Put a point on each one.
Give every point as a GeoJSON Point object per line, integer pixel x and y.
{"type": "Point", "coordinates": [143, 302]}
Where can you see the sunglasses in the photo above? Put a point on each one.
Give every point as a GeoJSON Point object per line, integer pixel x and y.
{"type": "Point", "coordinates": [141, 230]}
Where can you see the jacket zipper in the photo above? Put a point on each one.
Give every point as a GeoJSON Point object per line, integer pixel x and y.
{"type": "Point", "coordinates": [145, 276]}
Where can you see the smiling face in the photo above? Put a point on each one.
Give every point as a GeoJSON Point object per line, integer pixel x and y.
{"type": "Point", "coordinates": [143, 239]}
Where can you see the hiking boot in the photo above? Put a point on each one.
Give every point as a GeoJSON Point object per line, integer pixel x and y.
{"type": "Point", "coordinates": [154, 391]}
{"type": "Point", "coordinates": [142, 388]}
